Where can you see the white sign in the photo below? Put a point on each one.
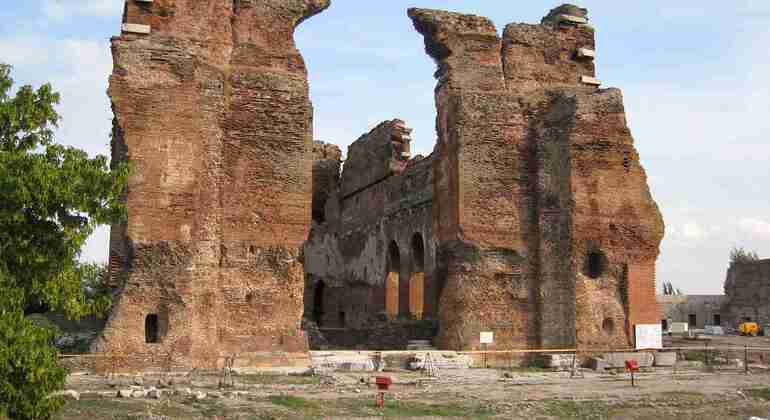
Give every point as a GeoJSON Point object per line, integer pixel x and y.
{"type": "Point", "coordinates": [649, 336]}
{"type": "Point", "coordinates": [487, 337]}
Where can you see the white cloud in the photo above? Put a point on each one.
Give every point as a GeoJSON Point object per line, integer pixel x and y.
{"type": "Point", "coordinates": [27, 51]}
{"type": "Point", "coordinates": [62, 9]}
{"type": "Point", "coordinates": [754, 226]}
{"type": "Point", "coordinates": [691, 230]}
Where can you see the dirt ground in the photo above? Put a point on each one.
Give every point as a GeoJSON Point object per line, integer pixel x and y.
{"type": "Point", "coordinates": [704, 385]}
{"type": "Point", "coordinates": [467, 394]}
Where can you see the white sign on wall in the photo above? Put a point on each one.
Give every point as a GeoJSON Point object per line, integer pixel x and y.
{"type": "Point", "coordinates": [487, 337]}
{"type": "Point", "coordinates": [649, 336]}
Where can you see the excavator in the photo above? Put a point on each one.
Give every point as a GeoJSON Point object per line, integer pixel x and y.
{"type": "Point", "coordinates": [749, 328]}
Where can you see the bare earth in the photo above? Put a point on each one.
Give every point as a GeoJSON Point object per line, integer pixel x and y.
{"type": "Point", "coordinates": [476, 393]}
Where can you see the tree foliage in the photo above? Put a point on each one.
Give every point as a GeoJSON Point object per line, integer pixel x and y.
{"type": "Point", "coordinates": [52, 197]}
{"type": "Point", "coordinates": [741, 255]}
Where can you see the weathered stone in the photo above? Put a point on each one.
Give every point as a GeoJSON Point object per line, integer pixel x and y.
{"type": "Point", "coordinates": [560, 361]}
{"type": "Point", "coordinates": [598, 364]}
{"type": "Point", "coordinates": [69, 395]}
{"type": "Point", "coordinates": [618, 360]}
{"type": "Point", "coordinates": [212, 111]}
{"type": "Point", "coordinates": [532, 219]}
{"type": "Point", "coordinates": [125, 393]}
{"type": "Point", "coordinates": [665, 359]}
{"type": "Point", "coordinates": [533, 215]}
{"type": "Point", "coordinates": [155, 394]}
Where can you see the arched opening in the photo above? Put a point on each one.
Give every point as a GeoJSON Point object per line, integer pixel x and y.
{"type": "Point", "coordinates": [318, 302]}
{"type": "Point", "coordinates": [392, 280]}
{"type": "Point", "coordinates": [417, 281]}
{"type": "Point", "coordinates": [595, 264]}
{"type": "Point", "coordinates": [151, 329]}
{"type": "Point", "coordinates": [608, 326]}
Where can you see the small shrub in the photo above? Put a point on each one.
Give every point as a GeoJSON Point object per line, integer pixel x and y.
{"type": "Point", "coordinates": [759, 393]}
{"type": "Point", "coordinates": [288, 401]}
{"type": "Point", "coordinates": [29, 372]}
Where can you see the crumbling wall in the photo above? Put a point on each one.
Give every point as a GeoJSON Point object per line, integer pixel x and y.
{"type": "Point", "coordinates": [537, 186]}
{"type": "Point", "coordinates": [212, 111]}
{"type": "Point", "coordinates": [383, 204]}
{"type": "Point", "coordinates": [747, 288]}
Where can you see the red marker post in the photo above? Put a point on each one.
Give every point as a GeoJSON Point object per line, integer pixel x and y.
{"type": "Point", "coordinates": [383, 383]}
{"type": "Point", "coordinates": [632, 366]}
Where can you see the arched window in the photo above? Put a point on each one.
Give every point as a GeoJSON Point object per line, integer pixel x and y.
{"type": "Point", "coordinates": [392, 280]}
{"type": "Point", "coordinates": [318, 302]}
{"type": "Point", "coordinates": [417, 281]}
{"type": "Point", "coordinates": [595, 264]}
{"type": "Point", "coordinates": [151, 329]}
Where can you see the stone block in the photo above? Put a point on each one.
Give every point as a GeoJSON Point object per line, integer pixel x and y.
{"type": "Point", "coordinates": [588, 80]}
{"type": "Point", "coordinates": [586, 53]}
{"type": "Point", "coordinates": [618, 360]}
{"type": "Point", "coordinates": [597, 364]}
{"type": "Point", "coordinates": [665, 359]}
{"type": "Point", "coordinates": [69, 395]}
{"type": "Point", "coordinates": [136, 28]}
{"type": "Point", "coordinates": [558, 361]}
{"type": "Point", "coordinates": [572, 20]}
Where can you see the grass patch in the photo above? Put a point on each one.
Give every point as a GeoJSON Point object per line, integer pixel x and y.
{"type": "Point", "coordinates": [400, 409]}
{"type": "Point", "coordinates": [759, 393]}
{"type": "Point", "coordinates": [101, 409]}
{"type": "Point", "coordinates": [397, 409]}
{"type": "Point", "coordinates": [289, 401]}
{"type": "Point", "coordinates": [577, 409]}
{"type": "Point", "coordinates": [257, 379]}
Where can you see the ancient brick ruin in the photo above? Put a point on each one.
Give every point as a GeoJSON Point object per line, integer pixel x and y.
{"type": "Point", "coordinates": [212, 110]}
{"type": "Point", "coordinates": [747, 291]}
{"type": "Point", "coordinates": [532, 217]}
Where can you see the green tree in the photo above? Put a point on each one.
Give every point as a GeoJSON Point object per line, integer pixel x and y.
{"type": "Point", "coordinates": [52, 198]}
{"type": "Point", "coordinates": [741, 255]}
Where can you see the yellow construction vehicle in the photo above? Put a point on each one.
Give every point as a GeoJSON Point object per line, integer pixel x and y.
{"type": "Point", "coordinates": [749, 328]}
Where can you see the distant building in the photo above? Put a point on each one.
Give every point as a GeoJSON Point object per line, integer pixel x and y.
{"type": "Point", "coordinates": [698, 311]}
{"type": "Point", "coordinates": [748, 292]}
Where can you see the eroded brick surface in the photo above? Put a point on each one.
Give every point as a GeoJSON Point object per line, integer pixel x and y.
{"type": "Point", "coordinates": [532, 218]}
{"type": "Point", "coordinates": [213, 112]}
{"type": "Point", "coordinates": [544, 220]}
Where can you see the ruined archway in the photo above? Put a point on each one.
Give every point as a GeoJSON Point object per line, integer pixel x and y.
{"type": "Point", "coordinates": [392, 280]}
{"type": "Point", "coordinates": [318, 302]}
{"type": "Point", "coordinates": [417, 280]}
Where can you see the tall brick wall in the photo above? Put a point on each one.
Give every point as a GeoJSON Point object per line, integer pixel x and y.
{"type": "Point", "coordinates": [364, 253]}
{"type": "Point", "coordinates": [212, 111]}
{"type": "Point", "coordinates": [536, 178]}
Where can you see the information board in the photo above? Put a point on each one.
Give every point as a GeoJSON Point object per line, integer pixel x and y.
{"type": "Point", "coordinates": [487, 337]}
{"type": "Point", "coordinates": [649, 336]}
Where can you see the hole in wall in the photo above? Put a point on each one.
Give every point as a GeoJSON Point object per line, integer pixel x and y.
{"type": "Point", "coordinates": [595, 264]}
{"type": "Point", "coordinates": [608, 326]}
{"type": "Point", "coordinates": [151, 330]}
{"type": "Point", "coordinates": [252, 250]}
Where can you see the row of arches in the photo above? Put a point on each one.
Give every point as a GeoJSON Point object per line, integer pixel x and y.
{"type": "Point", "coordinates": [412, 288]}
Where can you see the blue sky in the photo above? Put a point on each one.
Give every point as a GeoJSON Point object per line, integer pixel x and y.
{"type": "Point", "coordinates": [695, 75]}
